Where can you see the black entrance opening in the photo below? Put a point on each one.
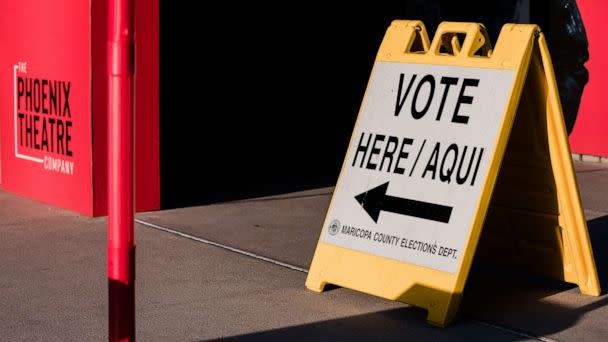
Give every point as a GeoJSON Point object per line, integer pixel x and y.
{"type": "Point", "coordinates": [261, 97]}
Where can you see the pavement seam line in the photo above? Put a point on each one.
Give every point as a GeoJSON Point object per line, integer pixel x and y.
{"type": "Point", "coordinates": [303, 270]}
{"type": "Point", "coordinates": [515, 332]}
{"type": "Point", "coordinates": [222, 246]}
{"type": "Point", "coordinates": [277, 198]}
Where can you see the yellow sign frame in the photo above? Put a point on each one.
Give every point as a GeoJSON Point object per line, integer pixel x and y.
{"type": "Point", "coordinates": [560, 239]}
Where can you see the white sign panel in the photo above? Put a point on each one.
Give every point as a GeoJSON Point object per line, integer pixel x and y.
{"type": "Point", "coordinates": [420, 153]}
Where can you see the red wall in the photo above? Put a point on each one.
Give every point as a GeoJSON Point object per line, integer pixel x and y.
{"type": "Point", "coordinates": [53, 39]}
{"type": "Point", "coordinates": [590, 134]}
{"type": "Point", "coordinates": [64, 40]}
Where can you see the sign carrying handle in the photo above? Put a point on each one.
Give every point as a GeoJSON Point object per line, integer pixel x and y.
{"type": "Point", "coordinates": [406, 36]}
{"type": "Point", "coordinates": [476, 42]}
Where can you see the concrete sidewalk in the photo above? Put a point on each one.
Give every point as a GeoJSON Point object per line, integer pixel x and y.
{"type": "Point", "coordinates": [237, 270]}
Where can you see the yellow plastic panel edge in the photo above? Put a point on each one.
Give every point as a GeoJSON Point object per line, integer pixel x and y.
{"type": "Point", "coordinates": [571, 218]}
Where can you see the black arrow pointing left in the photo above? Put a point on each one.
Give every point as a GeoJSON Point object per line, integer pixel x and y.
{"type": "Point", "coordinates": [375, 200]}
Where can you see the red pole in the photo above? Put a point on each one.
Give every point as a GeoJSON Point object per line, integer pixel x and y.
{"type": "Point", "coordinates": [121, 244]}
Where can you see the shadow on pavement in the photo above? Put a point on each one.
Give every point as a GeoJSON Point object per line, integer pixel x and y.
{"type": "Point", "coordinates": [526, 302]}
{"type": "Point", "coordinates": [529, 302]}
{"type": "Point", "coordinates": [389, 325]}
{"type": "Point", "coordinates": [598, 233]}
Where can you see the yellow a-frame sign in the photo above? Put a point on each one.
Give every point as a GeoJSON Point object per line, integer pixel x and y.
{"type": "Point", "coordinates": [459, 150]}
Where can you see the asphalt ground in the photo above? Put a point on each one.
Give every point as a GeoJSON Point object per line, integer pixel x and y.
{"type": "Point", "coordinates": [236, 271]}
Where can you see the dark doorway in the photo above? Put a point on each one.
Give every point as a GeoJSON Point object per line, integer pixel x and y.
{"type": "Point", "coordinates": [270, 103]}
